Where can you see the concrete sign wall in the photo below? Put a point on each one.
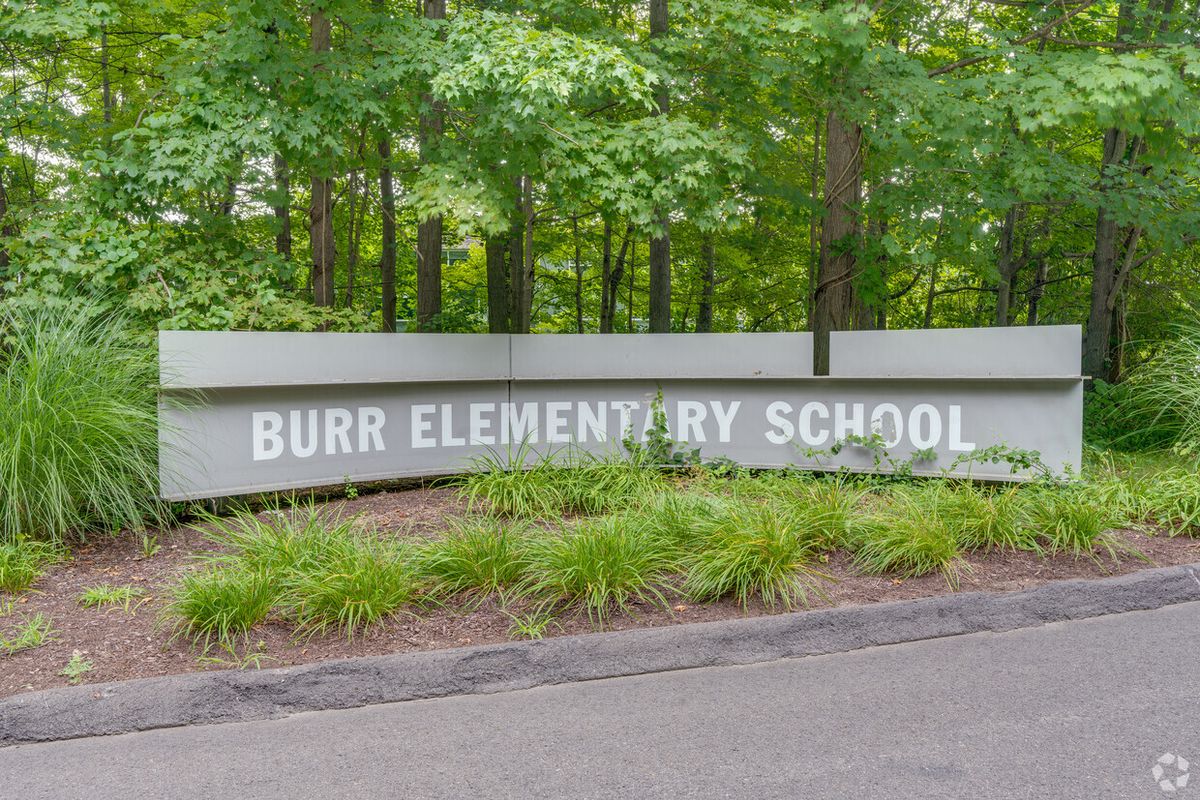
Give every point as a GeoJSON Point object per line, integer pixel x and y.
{"type": "Point", "coordinates": [244, 412]}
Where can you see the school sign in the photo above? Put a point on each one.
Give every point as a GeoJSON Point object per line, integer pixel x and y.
{"type": "Point", "coordinates": [245, 412]}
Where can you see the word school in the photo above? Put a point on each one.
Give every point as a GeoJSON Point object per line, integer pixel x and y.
{"type": "Point", "coordinates": [306, 432]}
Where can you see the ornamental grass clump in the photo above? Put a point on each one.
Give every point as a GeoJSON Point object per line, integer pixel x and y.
{"type": "Point", "coordinates": [477, 556]}
{"type": "Point", "coordinates": [220, 604]}
{"type": "Point", "coordinates": [982, 518]}
{"type": "Point", "coordinates": [909, 536]}
{"type": "Point", "coordinates": [78, 425]}
{"type": "Point", "coordinates": [755, 549]}
{"type": "Point", "coordinates": [1074, 521]}
{"type": "Point", "coordinates": [598, 565]}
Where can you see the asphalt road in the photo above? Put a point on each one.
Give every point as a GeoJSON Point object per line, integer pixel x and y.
{"type": "Point", "coordinates": [1070, 710]}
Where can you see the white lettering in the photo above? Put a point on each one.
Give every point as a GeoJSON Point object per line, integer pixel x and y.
{"type": "Point", "coordinates": [807, 413]}
{"type": "Point", "coordinates": [370, 424]}
{"type": "Point", "coordinates": [843, 425]}
{"type": "Point", "coordinates": [784, 429]}
{"type": "Point", "coordinates": [479, 424]}
{"type": "Point", "coordinates": [337, 431]}
{"type": "Point", "coordinates": [724, 418]}
{"type": "Point", "coordinates": [448, 437]}
{"type": "Point", "coordinates": [691, 414]}
{"type": "Point", "coordinates": [420, 426]}
{"type": "Point", "coordinates": [266, 426]}
{"type": "Point", "coordinates": [592, 422]}
{"type": "Point", "coordinates": [897, 423]}
{"type": "Point", "coordinates": [520, 428]}
{"type": "Point", "coordinates": [556, 422]}
{"type": "Point", "coordinates": [956, 442]}
{"type": "Point", "coordinates": [934, 434]}
{"type": "Point", "coordinates": [298, 447]}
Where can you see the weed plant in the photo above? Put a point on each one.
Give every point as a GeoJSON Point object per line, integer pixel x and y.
{"type": "Point", "coordinates": [123, 597]}
{"type": "Point", "coordinates": [30, 632]}
{"type": "Point", "coordinates": [78, 425]}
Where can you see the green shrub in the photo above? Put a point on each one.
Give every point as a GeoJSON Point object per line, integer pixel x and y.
{"type": "Point", "coordinates": [220, 604]}
{"type": "Point", "coordinates": [78, 425]}
{"type": "Point", "coordinates": [599, 564]}
{"type": "Point", "coordinates": [1169, 498]}
{"type": "Point", "coordinates": [22, 562]}
{"type": "Point", "coordinates": [982, 518]}
{"type": "Point", "coordinates": [910, 536]}
{"type": "Point", "coordinates": [1075, 520]}
{"type": "Point", "coordinates": [477, 555]}
{"type": "Point", "coordinates": [757, 549]}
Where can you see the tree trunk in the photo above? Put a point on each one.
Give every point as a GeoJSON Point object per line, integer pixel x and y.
{"type": "Point", "coordinates": [1104, 264]}
{"type": "Point", "coordinates": [516, 259]}
{"type": "Point", "coordinates": [578, 276]}
{"type": "Point", "coordinates": [525, 299]}
{"type": "Point", "coordinates": [632, 268]}
{"type": "Point", "coordinates": [387, 255]}
{"type": "Point", "coordinates": [320, 215]}
{"type": "Point", "coordinates": [606, 279]}
{"type": "Point", "coordinates": [615, 278]}
{"type": "Point", "coordinates": [929, 296]}
{"type": "Point", "coordinates": [839, 235]}
{"type": "Point", "coordinates": [499, 312]}
{"type": "Point", "coordinates": [356, 218]}
{"type": "Point", "coordinates": [1007, 264]}
{"type": "Point", "coordinates": [660, 245]}
{"type": "Point", "coordinates": [813, 217]}
{"type": "Point", "coordinates": [283, 208]}
{"type": "Point", "coordinates": [429, 231]}
{"type": "Point", "coordinates": [1037, 291]}
{"type": "Point", "coordinates": [105, 81]}
{"type": "Point", "coordinates": [704, 314]}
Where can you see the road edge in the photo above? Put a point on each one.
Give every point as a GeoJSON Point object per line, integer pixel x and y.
{"type": "Point", "coordinates": [204, 698]}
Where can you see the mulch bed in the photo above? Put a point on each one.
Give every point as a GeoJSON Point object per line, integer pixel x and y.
{"type": "Point", "coordinates": [134, 644]}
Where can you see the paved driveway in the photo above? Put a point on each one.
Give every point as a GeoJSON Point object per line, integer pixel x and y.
{"type": "Point", "coordinates": [1071, 710]}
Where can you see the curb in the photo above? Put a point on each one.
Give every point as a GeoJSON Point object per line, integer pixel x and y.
{"type": "Point", "coordinates": [205, 698]}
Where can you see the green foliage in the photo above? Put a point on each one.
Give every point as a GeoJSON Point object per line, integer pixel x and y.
{"type": "Point", "coordinates": [980, 517]}
{"type": "Point", "coordinates": [532, 625]}
{"type": "Point", "coordinates": [22, 562]}
{"type": "Point", "coordinates": [757, 550]}
{"type": "Point", "coordinates": [1162, 396]}
{"type": "Point", "coordinates": [361, 582]}
{"type": "Point", "coordinates": [220, 604]}
{"type": "Point", "coordinates": [105, 594]}
{"type": "Point", "coordinates": [908, 537]}
{"type": "Point", "coordinates": [476, 555]}
{"type": "Point", "coordinates": [78, 425]}
{"type": "Point", "coordinates": [30, 632]}
{"type": "Point", "coordinates": [573, 481]}
{"type": "Point", "coordinates": [76, 668]}
{"type": "Point", "coordinates": [598, 564]}
{"type": "Point", "coordinates": [319, 572]}
{"type": "Point", "coordinates": [1074, 521]}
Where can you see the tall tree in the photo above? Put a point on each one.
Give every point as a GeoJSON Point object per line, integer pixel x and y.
{"type": "Point", "coordinates": [429, 231]}
{"type": "Point", "coordinates": [320, 215]}
{"type": "Point", "coordinates": [660, 243]}
{"type": "Point", "coordinates": [836, 271]}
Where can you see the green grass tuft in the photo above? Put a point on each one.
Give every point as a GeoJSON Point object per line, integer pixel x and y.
{"type": "Point", "coordinates": [477, 556]}
{"type": "Point", "coordinates": [22, 562]}
{"type": "Point", "coordinates": [220, 604]}
{"type": "Point", "coordinates": [30, 632]}
{"type": "Point", "coordinates": [1075, 521]}
{"type": "Point", "coordinates": [909, 536]}
{"type": "Point", "coordinates": [599, 564]}
{"type": "Point", "coordinates": [106, 595]}
{"type": "Point", "coordinates": [757, 549]}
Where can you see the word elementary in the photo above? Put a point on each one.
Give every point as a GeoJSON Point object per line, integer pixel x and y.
{"type": "Point", "coordinates": [303, 433]}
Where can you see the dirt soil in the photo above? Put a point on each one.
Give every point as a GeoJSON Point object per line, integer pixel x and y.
{"type": "Point", "coordinates": [133, 644]}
